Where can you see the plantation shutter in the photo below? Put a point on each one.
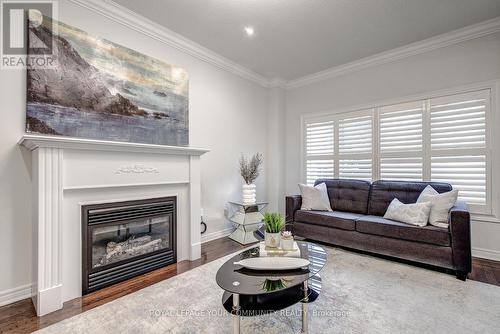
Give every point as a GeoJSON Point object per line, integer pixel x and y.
{"type": "Point", "coordinates": [458, 143]}
{"type": "Point", "coordinates": [443, 139]}
{"type": "Point", "coordinates": [355, 146]}
{"type": "Point", "coordinates": [319, 150]}
{"type": "Point", "coordinates": [401, 145]}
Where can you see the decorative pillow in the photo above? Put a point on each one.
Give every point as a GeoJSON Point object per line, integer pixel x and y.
{"type": "Point", "coordinates": [414, 214]}
{"type": "Point", "coordinates": [315, 198]}
{"type": "Point", "coordinates": [441, 205]}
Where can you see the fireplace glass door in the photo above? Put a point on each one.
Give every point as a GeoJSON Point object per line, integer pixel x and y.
{"type": "Point", "coordinates": [124, 239]}
{"type": "Point", "coordinates": [115, 243]}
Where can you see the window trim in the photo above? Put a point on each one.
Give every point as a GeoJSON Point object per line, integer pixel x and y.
{"type": "Point", "coordinates": [486, 212]}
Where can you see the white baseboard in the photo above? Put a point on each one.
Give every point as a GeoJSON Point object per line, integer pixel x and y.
{"type": "Point", "coordinates": [216, 235]}
{"type": "Point", "coordinates": [489, 254]}
{"type": "Point", "coordinates": [13, 295]}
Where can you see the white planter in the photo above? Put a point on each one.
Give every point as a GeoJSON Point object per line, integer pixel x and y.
{"type": "Point", "coordinates": [287, 244]}
{"type": "Point", "coordinates": [272, 239]}
{"type": "Point", "coordinates": [249, 196]}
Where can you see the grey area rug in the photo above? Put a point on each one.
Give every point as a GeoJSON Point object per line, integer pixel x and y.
{"type": "Point", "coordinates": [361, 294]}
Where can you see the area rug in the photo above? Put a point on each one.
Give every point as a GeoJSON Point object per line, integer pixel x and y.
{"type": "Point", "coordinates": [361, 294]}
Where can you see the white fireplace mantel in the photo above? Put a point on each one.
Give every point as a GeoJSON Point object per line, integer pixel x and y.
{"type": "Point", "coordinates": [67, 172]}
{"type": "Point", "coordinates": [32, 142]}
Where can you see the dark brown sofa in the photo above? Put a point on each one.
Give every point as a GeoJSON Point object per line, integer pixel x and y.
{"type": "Point", "coordinates": [357, 222]}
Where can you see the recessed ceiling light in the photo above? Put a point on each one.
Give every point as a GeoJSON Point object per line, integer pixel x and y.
{"type": "Point", "coordinates": [249, 30]}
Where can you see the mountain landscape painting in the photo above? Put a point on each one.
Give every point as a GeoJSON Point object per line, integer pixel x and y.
{"type": "Point", "coordinates": [101, 90]}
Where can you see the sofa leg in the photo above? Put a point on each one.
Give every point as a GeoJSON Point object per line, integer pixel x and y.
{"type": "Point", "coordinates": [461, 275]}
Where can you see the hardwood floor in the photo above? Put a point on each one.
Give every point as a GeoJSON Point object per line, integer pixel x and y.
{"type": "Point", "coordinates": [20, 317]}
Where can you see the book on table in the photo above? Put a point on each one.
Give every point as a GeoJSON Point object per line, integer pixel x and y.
{"type": "Point", "coordinates": [278, 251]}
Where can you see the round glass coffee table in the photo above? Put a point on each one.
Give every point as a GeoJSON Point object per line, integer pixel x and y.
{"type": "Point", "coordinates": [251, 292]}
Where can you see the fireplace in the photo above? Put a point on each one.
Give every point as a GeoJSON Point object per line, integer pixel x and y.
{"type": "Point", "coordinates": [121, 240]}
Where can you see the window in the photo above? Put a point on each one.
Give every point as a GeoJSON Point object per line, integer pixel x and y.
{"type": "Point", "coordinates": [400, 128]}
{"type": "Point", "coordinates": [458, 143]}
{"type": "Point", "coordinates": [355, 147]}
{"type": "Point", "coordinates": [319, 150]}
{"type": "Point", "coordinates": [435, 139]}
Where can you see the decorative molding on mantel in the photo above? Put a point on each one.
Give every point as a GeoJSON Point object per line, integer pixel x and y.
{"type": "Point", "coordinates": [137, 169]}
{"type": "Point", "coordinates": [139, 23]}
{"type": "Point", "coordinates": [33, 142]}
{"type": "Point", "coordinates": [454, 37]}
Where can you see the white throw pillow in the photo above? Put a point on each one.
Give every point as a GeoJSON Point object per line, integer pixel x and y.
{"type": "Point", "coordinates": [441, 205]}
{"type": "Point", "coordinates": [414, 214]}
{"type": "Point", "coordinates": [315, 198]}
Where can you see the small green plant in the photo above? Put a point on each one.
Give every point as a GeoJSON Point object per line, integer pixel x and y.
{"type": "Point", "coordinates": [273, 285]}
{"type": "Point", "coordinates": [274, 222]}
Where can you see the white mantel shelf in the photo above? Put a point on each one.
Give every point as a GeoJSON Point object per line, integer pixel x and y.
{"type": "Point", "coordinates": [33, 142]}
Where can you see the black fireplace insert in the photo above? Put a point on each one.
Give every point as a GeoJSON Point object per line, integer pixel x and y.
{"type": "Point", "coordinates": [126, 239]}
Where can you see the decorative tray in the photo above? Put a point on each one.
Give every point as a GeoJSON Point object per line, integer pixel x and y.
{"type": "Point", "coordinates": [273, 263]}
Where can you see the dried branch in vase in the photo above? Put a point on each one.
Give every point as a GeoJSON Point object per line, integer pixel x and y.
{"type": "Point", "coordinates": [250, 168]}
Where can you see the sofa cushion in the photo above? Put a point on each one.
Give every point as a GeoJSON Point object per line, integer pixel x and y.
{"type": "Point", "coordinates": [389, 228]}
{"type": "Point", "coordinates": [337, 219]}
{"type": "Point", "coordinates": [347, 195]}
{"type": "Point", "coordinates": [383, 192]}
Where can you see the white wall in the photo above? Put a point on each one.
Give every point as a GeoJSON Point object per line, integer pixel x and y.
{"type": "Point", "coordinates": [227, 114]}
{"type": "Point", "coordinates": [276, 149]}
{"type": "Point", "coordinates": [470, 62]}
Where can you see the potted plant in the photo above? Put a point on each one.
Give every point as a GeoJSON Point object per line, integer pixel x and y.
{"type": "Point", "coordinates": [273, 223]}
{"type": "Point", "coordinates": [250, 170]}
{"type": "Point", "coordinates": [287, 240]}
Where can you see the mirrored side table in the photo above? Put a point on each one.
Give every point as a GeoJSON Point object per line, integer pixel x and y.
{"type": "Point", "coordinates": [247, 218]}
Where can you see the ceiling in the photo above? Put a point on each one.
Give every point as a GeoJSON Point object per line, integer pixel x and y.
{"type": "Point", "coordinates": [294, 38]}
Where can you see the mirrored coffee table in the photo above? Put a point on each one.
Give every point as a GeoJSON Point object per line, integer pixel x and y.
{"type": "Point", "coordinates": [252, 293]}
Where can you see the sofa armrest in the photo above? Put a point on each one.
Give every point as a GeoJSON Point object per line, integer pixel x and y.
{"type": "Point", "coordinates": [293, 203]}
{"type": "Point", "coordinates": [459, 220]}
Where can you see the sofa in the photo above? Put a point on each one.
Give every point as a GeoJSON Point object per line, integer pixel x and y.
{"type": "Point", "coordinates": [357, 222]}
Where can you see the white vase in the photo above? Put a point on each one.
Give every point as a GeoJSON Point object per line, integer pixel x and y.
{"type": "Point", "coordinates": [272, 239]}
{"type": "Point", "coordinates": [287, 244]}
{"type": "Point", "coordinates": [249, 196]}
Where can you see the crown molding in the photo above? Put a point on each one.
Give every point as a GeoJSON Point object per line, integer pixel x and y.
{"type": "Point", "coordinates": [139, 23]}
{"type": "Point", "coordinates": [454, 37]}
{"type": "Point", "coordinates": [276, 83]}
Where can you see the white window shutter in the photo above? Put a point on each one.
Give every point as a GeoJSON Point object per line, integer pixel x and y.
{"type": "Point", "coordinates": [401, 145]}
{"type": "Point", "coordinates": [319, 150]}
{"type": "Point", "coordinates": [355, 145]}
{"type": "Point", "coordinates": [465, 173]}
{"type": "Point", "coordinates": [401, 168]}
{"type": "Point", "coordinates": [319, 138]}
{"type": "Point", "coordinates": [441, 139]}
{"type": "Point", "coordinates": [401, 127]}
{"type": "Point", "coordinates": [458, 121]}
{"type": "Point", "coordinates": [458, 143]}
{"type": "Point", "coordinates": [318, 169]}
